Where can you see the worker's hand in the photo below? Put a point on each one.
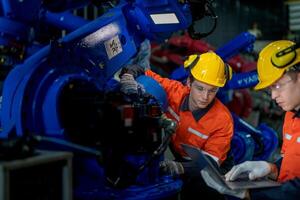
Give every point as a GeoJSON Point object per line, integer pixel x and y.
{"type": "Point", "coordinates": [220, 186]}
{"type": "Point", "coordinates": [130, 86]}
{"type": "Point", "coordinates": [255, 169]}
{"type": "Point", "coordinates": [171, 168]}
{"type": "Point", "coordinates": [134, 70]}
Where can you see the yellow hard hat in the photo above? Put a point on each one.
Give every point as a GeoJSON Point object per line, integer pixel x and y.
{"type": "Point", "coordinates": [209, 68]}
{"type": "Point", "coordinates": [276, 58]}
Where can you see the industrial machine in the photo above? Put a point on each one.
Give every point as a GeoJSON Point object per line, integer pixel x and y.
{"type": "Point", "coordinates": [64, 95]}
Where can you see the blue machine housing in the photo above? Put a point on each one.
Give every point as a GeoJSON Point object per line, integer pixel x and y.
{"type": "Point", "coordinates": [264, 139]}
{"type": "Point", "coordinates": [92, 54]}
{"type": "Point", "coordinates": [86, 60]}
{"type": "Point", "coordinates": [242, 146]}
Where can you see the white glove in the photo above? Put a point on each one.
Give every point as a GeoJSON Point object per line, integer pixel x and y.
{"type": "Point", "coordinates": [254, 169]}
{"type": "Point", "coordinates": [220, 186]}
{"type": "Point", "coordinates": [128, 84]}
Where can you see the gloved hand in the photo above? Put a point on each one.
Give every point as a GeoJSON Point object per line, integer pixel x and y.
{"type": "Point", "coordinates": [221, 187]}
{"type": "Point", "coordinates": [171, 168]}
{"type": "Point", "coordinates": [128, 84]}
{"type": "Point", "coordinates": [134, 70]}
{"type": "Point", "coordinates": [255, 169]}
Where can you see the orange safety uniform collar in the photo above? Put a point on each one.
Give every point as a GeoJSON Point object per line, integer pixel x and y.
{"type": "Point", "coordinates": [197, 113]}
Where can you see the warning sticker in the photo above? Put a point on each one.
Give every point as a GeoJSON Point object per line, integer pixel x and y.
{"type": "Point", "coordinates": [113, 47]}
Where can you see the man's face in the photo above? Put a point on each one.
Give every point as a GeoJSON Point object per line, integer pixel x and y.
{"type": "Point", "coordinates": [286, 92]}
{"type": "Point", "coordinates": [201, 95]}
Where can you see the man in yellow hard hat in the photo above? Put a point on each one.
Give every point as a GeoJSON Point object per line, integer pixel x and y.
{"type": "Point", "coordinates": [278, 69]}
{"type": "Point", "coordinates": [203, 121]}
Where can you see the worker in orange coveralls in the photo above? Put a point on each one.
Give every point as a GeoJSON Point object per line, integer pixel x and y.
{"type": "Point", "coordinates": [203, 121]}
{"type": "Point", "coordinates": [278, 69]}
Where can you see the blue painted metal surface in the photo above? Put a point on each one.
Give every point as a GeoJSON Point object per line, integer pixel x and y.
{"type": "Point", "coordinates": [154, 88]}
{"type": "Point", "coordinates": [64, 20]}
{"type": "Point", "coordinates": [265, 138]}
{"type": "Point", "coordinates": [90, 55]}
{"type": "Point", "coordinates": [242, 80]}
{"type": "Point", "coordinates": [242, 147]}
{"type": "Point", "coordinates": [270, 141]}
{"type": "Point", "coordinates": [241, 43]}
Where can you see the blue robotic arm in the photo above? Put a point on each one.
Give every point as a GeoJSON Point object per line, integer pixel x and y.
{"type": "Point", "coordinates": [93, 52]}
{"type": "Point", "coordinates": [60, 91]}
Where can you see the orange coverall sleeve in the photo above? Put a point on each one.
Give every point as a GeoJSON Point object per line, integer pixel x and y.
{"type": "Point", "coordinates": [170, 86]}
